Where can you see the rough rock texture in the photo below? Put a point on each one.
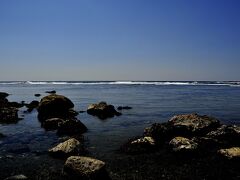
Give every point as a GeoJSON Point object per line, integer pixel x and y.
{"type": "Point", "coordinates": [194, 124]}
{"type": "Point", "coordinates": [102, 110]}
{"type": "Point", "coordinates": [230, 153]}
{"type": "Point", "coordinates": [139, 145]}
{"type": "Point", "coordinates": [67, 148]}
{"type": "Point", "coordinates": [52, 123]}
{"type": "Point", "coordinates": [85, 168]}
{"type": "Point", "coordinates": [54, 106]}
{"type": "Point", "coordinates": [17, 177]}
{"type": "Point", "coordinates": [8, 115]}
{"type": "Point", "coordinates": [226, 134]}
{"type": "Point", "coordinates": [71, 127]}
{"type": "Point", "coordinates": [181, 144]}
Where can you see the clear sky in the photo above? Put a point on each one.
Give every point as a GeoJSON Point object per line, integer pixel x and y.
{"type": "Point", "coordinates": [119, 40]}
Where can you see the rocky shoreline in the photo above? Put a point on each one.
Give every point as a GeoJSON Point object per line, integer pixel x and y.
{"type": "Point", "coordinates": [188, 146]}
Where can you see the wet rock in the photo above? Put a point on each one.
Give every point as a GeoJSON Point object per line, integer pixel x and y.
{"type": "Point", "coordinates": [102, 110]}
{"type": "Point", "coordinates": [17, 148]}
{"type": "Point", "coordinates": [182, 144]}
{"type": "Point", "coordinates": [230, 153]}
{"type": "Point", "coordinates": [3, 95]}
{"type": "Point", "coordinates": [71, 127]}
{"type": "Point", "coordinates": [124, 107]}
{"type": "Point", "coordinates": [15, 104]}
{"type": "Point", "coordinates": [226, 135]}
{"type": "Point", "coordinates": [9, 115]}
{"type": "Point", "coordinates": [67, 148]}
{"type": "Point", "coordinates": [85, 168]}
{"type": "Point", "coordinates": [37, 95]}
{"type": "Point", "coordinates": [139, 145]}
{"type": "Point", "coordinates": [51, 92]}
{"type": "Point", "coordinates": [194, 124]}
{"type": "Point", "coordinates": [1, 135]}
{"type": "Point", "coordinates": [17, 177]}
{"type": "Point", "coordinates": [32, 105]}
{"type": "Point", "coordinates": [54, 106]}
{"type": "Point", "coordinates": [52, 123]}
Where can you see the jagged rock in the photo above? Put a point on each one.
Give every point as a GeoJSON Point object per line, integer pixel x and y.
{"type": "Point", "coordinates": [139, 145]}
{"type": "Point", "coordinates": [226, 135]}
{"type": "Point", "coordinates": [193, 124]}
{"type": "Point", "coordinates": [8, 115]}
{"type": "Point", "coordinates": [181, 144]}
{"type": "Point", "coordinates": [124, 107]}
{"type": "Point", "coordinates": [54, 106]}
{"type": "Point", "coordinates": [85, 168]}
{"type": "Point", "coordinates": [102, 110]}
{"type": "Point", "coordinates": [230, 153]}
{"type": "Point", "coordinates": [52, 123]}
{"type": "Point", "coordinates": [71, 127]}
{"type": "Point", "coordinates": [67, 148]}
{"type": "Point", "coordinates": [17, 177]}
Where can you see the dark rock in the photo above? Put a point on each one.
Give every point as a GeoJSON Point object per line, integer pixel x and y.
{"type": "Point", "coordinates": [194, 124]}
{"type": "Point", "coordinates": [52, 123]}
{"type": "Point", "coordinates": [124, 107]}
{"type": "Point", "coordinates": [32, 105]}
{"type": "Point", "coordinates": [71, 127]}
{"type": "Point", "coordinates": [85, 168]}
{"type": "Point", "coordinates": [230, 153]}
{"type": "Point", "coordinates": [1, 135]}
{"type": "Point", "coordinates": [67, 148]}
{"type": "Point", "coordinates": [51, 92]}
{"type": "Point", "coordinates": [54, 106]}
{"type": "Point", "coordinates": [37, 95]}
{"type": "Point", "coordinates": [139, 145]}
{"type": "Point", "coordinates": [102, 110]}
{"type": "Point", "coordinates": [17, 177]}
{"type": "Point", "coordinates": [82, 111]}
{"type": "Point", "coordinates": [8, 115]}
{"type": "Point", "coordinates": [3, 95]}
{"type": "Point", "coordinates": [182, 144]}
{"type": "Point", "coordinates": [15, 104]}
{"type": "Point", "coordinates": [226, 135]}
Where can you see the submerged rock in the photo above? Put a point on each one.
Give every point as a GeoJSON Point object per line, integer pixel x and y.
{"type": "Point", "coordinates": [85, 168]}
{"type": "Point", "coordinates": [102, 110]}
{"type": "Point", "coordinates": [71, 127]}
{"type": "Point", "coordinates": [124, 107]}
{"type": "Point", "coordinates": [51, 92]}
{"type": "Point", "coordinates": [230, 153]}
{"type": "Point", "coordinates": [37, 95]}
{"type": "Point", "coordinates": [17, 177]}
{"type": "Point", "coordinates": [139, 145]}
{"type": "Point", "coordinates": [194, 124]}
{"type": "Point", "coordinates": [54, 106]}
{"type": "Point", "coordinates": [182, 144]}
{"type": "Point", "coordinates": [67, 148]}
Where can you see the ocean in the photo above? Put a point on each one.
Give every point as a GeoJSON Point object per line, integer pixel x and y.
{"type": "Point", "coordinates": [151, 101]}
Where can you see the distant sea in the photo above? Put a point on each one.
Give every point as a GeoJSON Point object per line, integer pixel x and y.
{"type": "Point", "coordinates": [152, 101]}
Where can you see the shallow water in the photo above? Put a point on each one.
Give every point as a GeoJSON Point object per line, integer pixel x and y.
{"type": "Point", "coordinates": [151, 103]}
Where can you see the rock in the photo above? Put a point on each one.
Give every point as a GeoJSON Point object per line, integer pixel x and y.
{"type": "Point", "coordinates": [37, 95]}
{"type": "Point", "coordinates": [181, 144]}
{"type": "Point", "coordinates": [8, 115]}
{"type": "Point", "coordinates": [52, 123]}
{"type": "Point", "coordinates": [124, 107]}
{"type": "Point", "coordinates": [139, 145]}
{"type": "Point", "coordinates": [102, 110]}
{"type": "Point", "coordinates": [14, 104]}
{"type": "Point", "coordinates": [51, 92]}
{"type": "Point", "coordinates": [54, 106]}
{"type": "Point", "coordinates": [67, 148]}
{"type": "Point", "coordinates": [3, 95]}
{"type": "Point", "coordinates": [226, 135]}
{"type": "Point", "coordinates": [32, 105]}
{"type": "Point", "coordinates": [17, 177]}
{"type": "Point", "coordinates": [85, 168]}
{"type": "Point", "coordinates": [71, 127]}
{"type": "Point", "coordinates": [230, 153]}
{"type": "Point", "coordinates": [1, 135]}
{"type": "Point", "coordinates": [193, 124]}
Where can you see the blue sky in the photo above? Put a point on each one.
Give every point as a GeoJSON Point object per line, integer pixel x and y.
{"type": "Point", "coordinates": [119, 40]}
